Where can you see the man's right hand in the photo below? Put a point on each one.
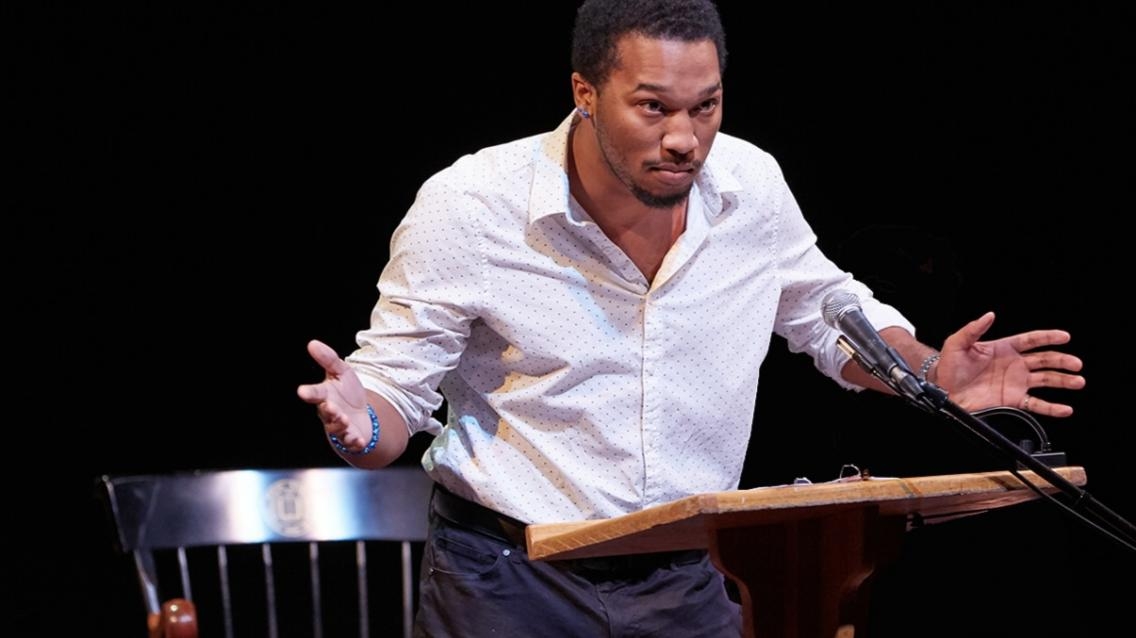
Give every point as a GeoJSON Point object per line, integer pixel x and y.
{"type": "Point", "coordinates": [341, 403]}
{"type": "Point", "coordinates": [340, 399]}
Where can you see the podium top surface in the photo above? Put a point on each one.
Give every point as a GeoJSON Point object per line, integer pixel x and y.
{"type": "Point", "coordinates": [689, 523]}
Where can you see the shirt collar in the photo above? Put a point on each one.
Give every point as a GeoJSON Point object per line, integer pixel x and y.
{"type": "Point", "coordinates": [550, 194]}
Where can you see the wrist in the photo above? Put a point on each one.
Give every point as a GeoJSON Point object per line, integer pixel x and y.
{"type": "Point", "coordinates": [929, 367]}
{"type": "Point", "coordinates": [370, 444]}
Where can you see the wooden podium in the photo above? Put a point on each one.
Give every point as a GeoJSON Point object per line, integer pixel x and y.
{"type": "Point", "coordinates": [797, 553]}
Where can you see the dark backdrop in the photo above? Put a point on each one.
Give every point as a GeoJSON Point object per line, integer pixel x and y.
{"type": "Point", "coordinates": [201, 188]}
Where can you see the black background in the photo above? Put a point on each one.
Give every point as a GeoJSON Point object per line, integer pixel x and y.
{"type": "Point", "coordinates": [201, 188]}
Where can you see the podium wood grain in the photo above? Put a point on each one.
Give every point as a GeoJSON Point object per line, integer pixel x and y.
{"type": "Point", "coordinates": [799, 554]}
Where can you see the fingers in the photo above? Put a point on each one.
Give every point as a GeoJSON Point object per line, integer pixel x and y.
{"type": "Point", "coordinates": [1050, 369]}
{"type": "Point", "coordinates": [333, 418]}
{"type": "Point", "coordinates": [1040, 338]}
{"type": "Point", "coordinates": [333, 396]}
{"type": "Point", "coordinates": [312, 393]}
{"type": "Point", "coordinates": [1052, 360]}
{"type": "Point", "coordinates": [979, 326]}
{"type": "Point", "coordinates": [1051, 378]}
{"type": "Point", "coordinates": [332, 365]}
{"type": "Point", "coordinates": [1055, 379]}
{"type": "Point", "coordinates": [971, 332]}
{"type": "Point", "coordinates": [326, 357]}
{"type": "Point", "coordinates": [1045, 408]}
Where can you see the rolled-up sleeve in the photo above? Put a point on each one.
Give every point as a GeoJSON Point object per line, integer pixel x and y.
{"type": "Point", "coordinates": [428, 295]}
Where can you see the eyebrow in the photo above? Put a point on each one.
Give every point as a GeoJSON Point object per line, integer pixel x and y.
{"type": "Point", "coordinates": [658, 88]}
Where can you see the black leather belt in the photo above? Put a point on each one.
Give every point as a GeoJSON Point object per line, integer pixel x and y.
{"type": "Point", "coordinates": [478, 518]}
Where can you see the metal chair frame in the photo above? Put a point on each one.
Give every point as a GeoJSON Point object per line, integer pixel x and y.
{"type": "Point", "coordinates": [160, 514]}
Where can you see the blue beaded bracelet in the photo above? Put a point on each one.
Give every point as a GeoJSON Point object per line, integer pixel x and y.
{"type": "Point", "coordinates": [374, 436]}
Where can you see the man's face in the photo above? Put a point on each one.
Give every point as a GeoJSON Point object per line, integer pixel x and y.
{"type": "Point", "coordinates": [657, 114]}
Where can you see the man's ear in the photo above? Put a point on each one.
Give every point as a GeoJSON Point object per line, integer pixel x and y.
{"type": "Point", "coordinates": [583, 93]}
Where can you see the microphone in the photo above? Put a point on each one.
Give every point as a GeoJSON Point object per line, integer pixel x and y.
{"type": "Point", "coordinates": [841, 310]}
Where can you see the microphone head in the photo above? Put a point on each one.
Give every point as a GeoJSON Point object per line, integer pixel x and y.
{"type": "Point", "coordinates": [836, 304]}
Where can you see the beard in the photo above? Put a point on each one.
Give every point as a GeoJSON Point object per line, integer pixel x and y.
{"type": "Point", "coordinates": [617, 164]}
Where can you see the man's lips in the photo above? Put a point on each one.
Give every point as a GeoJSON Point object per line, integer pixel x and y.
{"type": "Point", "coordinates": [673, 174]}
{"type": "Point", "coordinates": [674, 168]}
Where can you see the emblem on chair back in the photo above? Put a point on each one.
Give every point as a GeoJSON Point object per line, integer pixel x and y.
{"type": "Point", "coordinates": [284, 508]}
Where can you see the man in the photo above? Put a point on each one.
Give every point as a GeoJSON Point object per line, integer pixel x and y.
{"type": "Point", "coordinates": [594, 304]}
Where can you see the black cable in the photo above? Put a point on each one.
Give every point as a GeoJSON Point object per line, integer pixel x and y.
{"type": "Point", "coordinates": [1042, 438]}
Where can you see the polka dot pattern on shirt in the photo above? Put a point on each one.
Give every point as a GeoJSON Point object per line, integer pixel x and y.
{"type": "Point", "coordinates": [576, 388]}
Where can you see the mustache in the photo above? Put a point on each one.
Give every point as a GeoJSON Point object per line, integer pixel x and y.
{"type": "Point", "coordinates": [692, 165]}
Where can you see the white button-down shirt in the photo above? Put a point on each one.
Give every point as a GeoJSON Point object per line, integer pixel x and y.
{"type": "Point", "coordinates": [576, 388]}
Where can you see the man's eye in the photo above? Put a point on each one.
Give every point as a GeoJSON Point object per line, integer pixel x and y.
{"type": "Point", "coordinates": [706, 107]}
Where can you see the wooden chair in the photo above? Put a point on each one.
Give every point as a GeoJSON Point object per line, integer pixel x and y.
{"type": "Point", "coordinates": [272, 552]}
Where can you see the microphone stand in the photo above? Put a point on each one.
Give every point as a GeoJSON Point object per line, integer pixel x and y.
{"type": "Point", "coordinates": [932, 398]}
{"type": "Point", "coordinates": [935, 399]}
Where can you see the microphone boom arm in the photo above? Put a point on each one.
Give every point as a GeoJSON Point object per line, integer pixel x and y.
{"type": "Point", "coordinates": [841, 310]}
{"type": "Point", "coordinates": [1120, 529]}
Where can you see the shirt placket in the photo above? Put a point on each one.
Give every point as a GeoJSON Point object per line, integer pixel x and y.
{"type": "Point", "coordinates": [651, 420]}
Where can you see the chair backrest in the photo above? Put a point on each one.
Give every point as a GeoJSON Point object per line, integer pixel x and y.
{"type": "Point", "coordinates": [236, 539]}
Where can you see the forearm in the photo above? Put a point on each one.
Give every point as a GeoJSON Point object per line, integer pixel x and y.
{"type": "Point", "coordinates": [905, 344]}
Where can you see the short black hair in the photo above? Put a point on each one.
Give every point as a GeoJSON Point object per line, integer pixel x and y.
{"type": "Point", "coordinates": [601, 23]}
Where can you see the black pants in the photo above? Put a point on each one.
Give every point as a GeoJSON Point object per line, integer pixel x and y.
{"type": "Point", "coordinates": [477, 580]}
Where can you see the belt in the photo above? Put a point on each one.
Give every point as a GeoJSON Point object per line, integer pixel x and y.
{"type": "Point", "coordinates": [479, 518]}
